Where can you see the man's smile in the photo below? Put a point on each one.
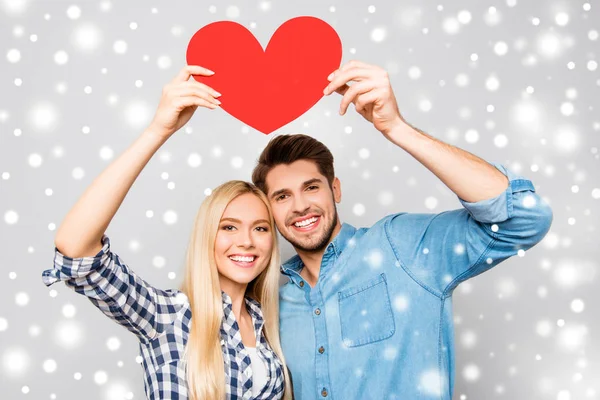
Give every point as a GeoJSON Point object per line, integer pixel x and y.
{"type": "Point", "coordinates": [306, 224]}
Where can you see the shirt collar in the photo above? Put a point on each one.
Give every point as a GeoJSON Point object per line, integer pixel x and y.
{"type": "Point", "coordinates": [252, 306]}
{"type": "Point", "coordinates": [337, 245]}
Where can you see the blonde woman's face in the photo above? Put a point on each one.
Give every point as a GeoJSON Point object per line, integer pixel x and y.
{"type": "Point", "coordinates": [244, 242]}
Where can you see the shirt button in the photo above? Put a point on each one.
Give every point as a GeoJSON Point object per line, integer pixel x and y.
{"type": "Point", "coordinates": [301, 284]}
{"type": "Point", "coordinates": [324, 392]}
{"type": "Point", "coordinates": [321, 350]}
{"type": "Point", "coordinates": [318, 311]}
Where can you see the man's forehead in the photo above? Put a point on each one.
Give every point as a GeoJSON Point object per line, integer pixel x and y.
{"type": "Point", "coordinates": [291, 175]}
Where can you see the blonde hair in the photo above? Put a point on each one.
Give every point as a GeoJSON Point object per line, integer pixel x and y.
{"type": "Point", "coordinates": [203, 355]}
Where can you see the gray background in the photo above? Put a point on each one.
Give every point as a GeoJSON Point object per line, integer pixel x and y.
{"type": "Point", "coordinates": [486, 76]}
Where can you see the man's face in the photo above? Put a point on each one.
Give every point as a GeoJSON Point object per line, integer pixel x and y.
{"type": "Point", "coordinates": [304, 204]}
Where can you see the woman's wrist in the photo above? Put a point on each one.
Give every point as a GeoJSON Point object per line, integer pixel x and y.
{"type": "Point", "coordinates": [155, 133]}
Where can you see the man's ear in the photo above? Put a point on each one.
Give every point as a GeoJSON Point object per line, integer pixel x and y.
{"type": "Point", "coordinates": [337, 190]}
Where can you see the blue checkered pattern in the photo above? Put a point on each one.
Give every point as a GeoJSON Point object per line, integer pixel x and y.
{"type": "Point", "coordinates": [161, 321]}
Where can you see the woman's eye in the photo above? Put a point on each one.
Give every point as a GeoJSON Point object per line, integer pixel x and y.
{"type": "Point", "coordinates": [227, 227]}
{"type": "Point", "coordinates": [263, 229]}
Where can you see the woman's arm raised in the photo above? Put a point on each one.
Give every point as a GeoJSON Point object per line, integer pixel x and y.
{"type": "Point", "coordinates": [81, 231]}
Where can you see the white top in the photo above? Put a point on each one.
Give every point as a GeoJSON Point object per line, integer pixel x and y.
{"type": "Point", "coordinates": [259, 371]}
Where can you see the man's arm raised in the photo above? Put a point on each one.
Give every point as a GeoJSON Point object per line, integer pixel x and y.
{"type": "Point", "coordinates": [501, 215]}
{"type": "Point", "coordinates": [471, 178]}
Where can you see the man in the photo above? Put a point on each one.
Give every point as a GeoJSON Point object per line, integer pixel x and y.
{"type": "Point", "coordinates": [367, 313]}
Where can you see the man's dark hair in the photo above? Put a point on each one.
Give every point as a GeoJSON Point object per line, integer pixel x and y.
{"type": "Point", "coordinates": [286, 149]}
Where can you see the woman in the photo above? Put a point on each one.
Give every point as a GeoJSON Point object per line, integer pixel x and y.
{"type": "Point", "coordinates": [217, 337]}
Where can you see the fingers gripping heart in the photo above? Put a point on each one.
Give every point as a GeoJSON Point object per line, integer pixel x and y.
{"type": "Point", "coordinates": [267, 89]}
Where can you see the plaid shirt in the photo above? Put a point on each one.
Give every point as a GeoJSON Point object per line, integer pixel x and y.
{"type": "Point", "coordinates": [161, 321]}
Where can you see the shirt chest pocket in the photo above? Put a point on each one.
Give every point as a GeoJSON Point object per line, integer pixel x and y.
{"type": "Point", "coordinates": [366, 313]}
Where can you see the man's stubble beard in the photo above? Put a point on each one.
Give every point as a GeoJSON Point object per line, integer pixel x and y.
{"type": "Point", "coordinates": [323, 240]}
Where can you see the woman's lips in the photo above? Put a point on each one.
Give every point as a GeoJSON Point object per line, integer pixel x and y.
{"type": "Point", "coordinates": [242, 264]}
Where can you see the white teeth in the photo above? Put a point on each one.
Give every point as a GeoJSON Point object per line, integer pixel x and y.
{"type": "Point", "coordinates": [306, 222]}
{"type": "Point", "coordinates": [242, 259]}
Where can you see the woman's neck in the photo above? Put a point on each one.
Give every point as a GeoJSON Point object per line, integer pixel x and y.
{"type": "Point", "coordinates": [237, 294]}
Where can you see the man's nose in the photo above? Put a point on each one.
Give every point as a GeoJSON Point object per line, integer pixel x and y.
{"type": "Point", "coordinates": [300, 204]}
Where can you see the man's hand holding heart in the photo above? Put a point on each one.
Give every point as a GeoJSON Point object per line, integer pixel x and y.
{"type": "Point", "coordinates": [371, 94]}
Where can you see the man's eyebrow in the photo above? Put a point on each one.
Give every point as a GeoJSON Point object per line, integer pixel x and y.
{"type": "Point", "coordinates": [305, 183]}
{"type": "Point", "coordinates": [258, 221]}
{"type": "Point", "coordinates": [313, 180]}
{"type": "Point", "coordinates": [278, 192]}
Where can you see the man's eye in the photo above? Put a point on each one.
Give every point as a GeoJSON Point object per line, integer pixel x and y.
{"type": "Point", "coordinates": [313, 187]}
{"type": "Point", "coordinates": [281, 197]}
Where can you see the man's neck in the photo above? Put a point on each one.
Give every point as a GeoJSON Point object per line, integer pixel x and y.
{"type": "Point", "coordinates": [312, 265]}
{"type": "Point", "coordinates": [312, 260]}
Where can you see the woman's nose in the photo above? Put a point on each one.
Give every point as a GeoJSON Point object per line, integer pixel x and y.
{"type": "Point", "coordinates": [245, 239]}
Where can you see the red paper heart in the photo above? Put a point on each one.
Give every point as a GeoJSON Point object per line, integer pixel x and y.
{"type": "Point", "coordinates": [267, 89]}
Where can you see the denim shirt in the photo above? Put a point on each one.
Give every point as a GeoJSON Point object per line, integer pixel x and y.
{"type": "Point", "coordinates": [378, 324]}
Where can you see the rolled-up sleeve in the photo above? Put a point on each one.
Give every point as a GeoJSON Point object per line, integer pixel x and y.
{"type": "Point", "coordinates": [115, 289]}
{"type": "Point", "coordinates": [501, 207]}
{"type": "Point", "coordinates": [442, 250]}
{"type": "Point", "coordinates": [75, 271]}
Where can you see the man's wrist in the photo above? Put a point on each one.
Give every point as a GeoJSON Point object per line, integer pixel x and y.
{"type": "Point", "coordinates": [403, 134]}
